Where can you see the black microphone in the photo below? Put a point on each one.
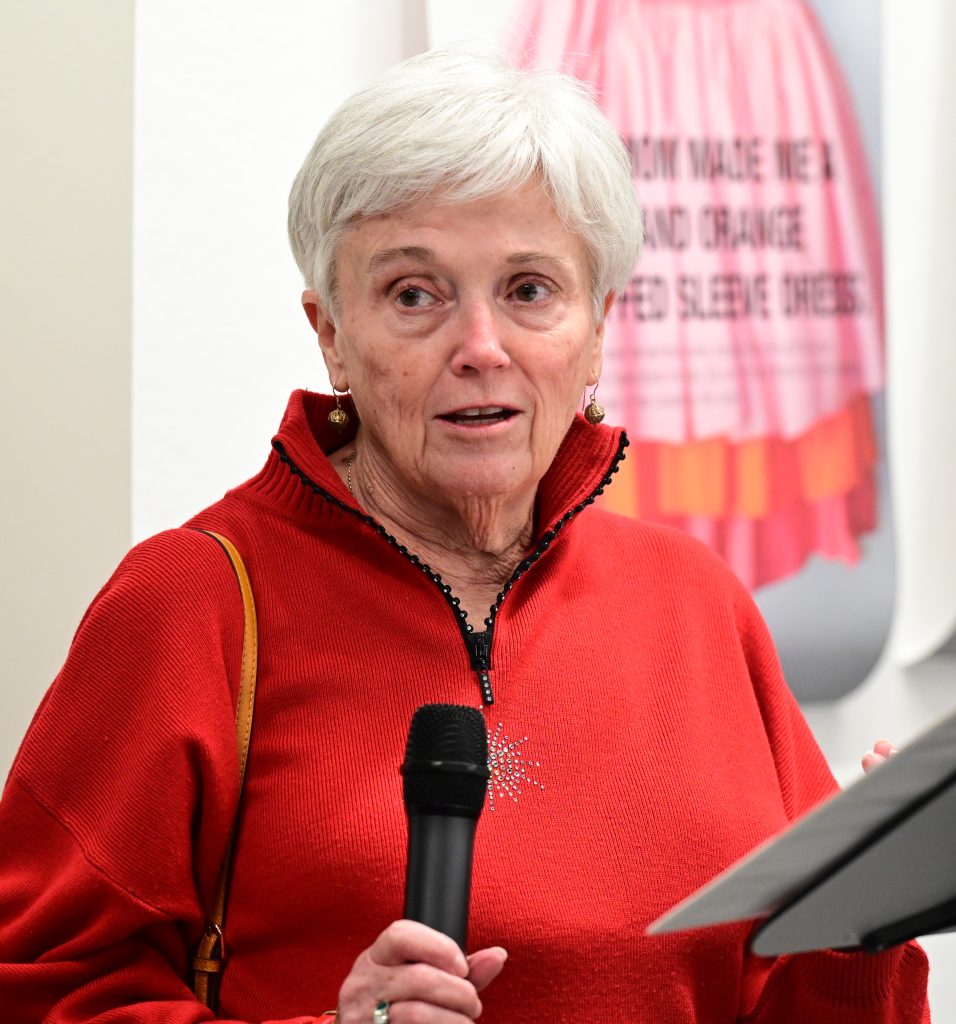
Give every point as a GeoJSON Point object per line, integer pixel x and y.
{"type": "Point", "coordinates": [445, 780]}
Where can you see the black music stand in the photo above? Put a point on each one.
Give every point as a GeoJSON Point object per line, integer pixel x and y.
{"type": "Point", "coordinates": [872, 867]}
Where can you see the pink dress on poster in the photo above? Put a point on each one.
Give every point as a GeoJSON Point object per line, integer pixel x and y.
{"type": "Point", "coordinates": [755, 313]}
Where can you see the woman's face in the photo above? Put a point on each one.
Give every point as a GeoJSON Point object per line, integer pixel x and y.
{"type": "Point", "coordinates": [466, 334]}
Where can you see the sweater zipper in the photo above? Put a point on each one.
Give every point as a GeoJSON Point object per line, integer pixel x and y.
{"type": "Point", "coordinates": [477, 643]}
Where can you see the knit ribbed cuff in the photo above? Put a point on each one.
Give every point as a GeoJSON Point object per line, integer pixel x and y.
{"type": "Point", "coordinates": [326, 1018]}
{"type": "Point", "coordinates": [859, 981]}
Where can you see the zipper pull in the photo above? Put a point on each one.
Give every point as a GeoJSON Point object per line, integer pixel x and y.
{"type": "Point", "coordinates": [479, 650]}
{"type": "Point", "coordinates": [484, 680]}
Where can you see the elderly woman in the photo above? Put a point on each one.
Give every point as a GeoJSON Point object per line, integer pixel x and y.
{"type": "Point", "coordinates": [424, 536]}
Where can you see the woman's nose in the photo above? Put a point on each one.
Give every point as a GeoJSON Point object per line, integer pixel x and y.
{"type": "Point", "coordinates": [479, 345]}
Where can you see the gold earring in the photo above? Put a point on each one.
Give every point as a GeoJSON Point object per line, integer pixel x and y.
{"type": "Point", "coordinates": [594, 412]}
{"type": "Point", "coordinates": [338, 417]}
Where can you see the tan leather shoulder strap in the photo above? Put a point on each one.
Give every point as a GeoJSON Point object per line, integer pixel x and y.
{"type": "Point", "coordinates": [211, 951]}
{"type": "Point", "coordinates": [250, 656]}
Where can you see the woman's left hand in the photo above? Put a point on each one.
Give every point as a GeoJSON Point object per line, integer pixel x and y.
{"type": "Point", "coordinates": [882, 751]}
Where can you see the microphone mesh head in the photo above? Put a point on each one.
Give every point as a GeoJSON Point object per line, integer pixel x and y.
{"type": "Point", "coordinates": [446, 760]}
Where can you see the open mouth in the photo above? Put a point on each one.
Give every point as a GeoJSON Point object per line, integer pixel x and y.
{"type": "Point", "coordinates": [479, 416]}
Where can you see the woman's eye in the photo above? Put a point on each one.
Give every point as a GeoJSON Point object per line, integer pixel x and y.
{"type": "Point", "coordinates": [415, 298]}
{"type": "Point", "coordinates": [532, 291]}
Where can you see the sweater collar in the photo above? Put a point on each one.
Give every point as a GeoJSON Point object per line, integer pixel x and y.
{"type": "Point", "coordinates": [583, 465]}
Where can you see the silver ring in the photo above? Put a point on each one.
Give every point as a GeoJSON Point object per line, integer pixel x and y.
{"type": "Point", "coordinates": [380, 1013]}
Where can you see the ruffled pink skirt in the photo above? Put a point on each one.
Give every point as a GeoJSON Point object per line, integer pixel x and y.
{"type": "Point", "coordinates": [754, 319]}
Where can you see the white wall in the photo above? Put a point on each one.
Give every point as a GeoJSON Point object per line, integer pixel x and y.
{"type": "Point", "coordinates": [66, 79]}
{"type": "Point", "coordinates": [920, 224]}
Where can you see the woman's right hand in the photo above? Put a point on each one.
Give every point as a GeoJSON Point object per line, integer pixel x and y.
{"type": "Point", "coordinates": [882, 751]}
{"type": "Point", "coordinates": [423, 976]}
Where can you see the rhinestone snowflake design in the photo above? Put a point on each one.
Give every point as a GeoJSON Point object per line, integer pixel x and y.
{"type": "Point", "coordinates": [510, 769]}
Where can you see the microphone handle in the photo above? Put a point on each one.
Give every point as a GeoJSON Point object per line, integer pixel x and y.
{"type": "Point", "coordinates": [438, 879]}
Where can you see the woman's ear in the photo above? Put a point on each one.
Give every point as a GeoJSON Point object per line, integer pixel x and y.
{"type": "Point", "coordinates": [311, 305]}
{"type": "Point", "coordinates": [597, 353]}
{"type": "Point", "coordinates": [327, 334]}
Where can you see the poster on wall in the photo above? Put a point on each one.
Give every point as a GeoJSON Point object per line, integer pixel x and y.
{"type": "Point", "coordinates": [745, 357]}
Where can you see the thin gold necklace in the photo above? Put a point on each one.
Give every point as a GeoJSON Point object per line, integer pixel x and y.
{"type": "Point", "coordinates": [348, 472]}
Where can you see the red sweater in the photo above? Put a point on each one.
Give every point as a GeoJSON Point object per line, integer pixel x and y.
{"type": "Point", "coordinates": [645, 740]}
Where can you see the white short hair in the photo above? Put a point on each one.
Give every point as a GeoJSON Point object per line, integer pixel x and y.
{"type": "Point", "coordinates": [466, 125]}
